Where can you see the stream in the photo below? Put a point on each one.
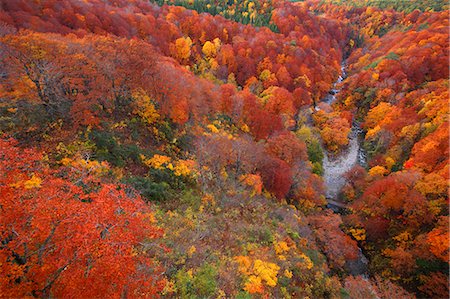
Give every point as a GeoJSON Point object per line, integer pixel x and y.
{"type": "Point", "coordinates": [335, 168]}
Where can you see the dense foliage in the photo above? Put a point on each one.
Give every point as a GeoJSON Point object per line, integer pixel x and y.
{"type": "Point", "coordinates": [256, 13]}
{"type": "Point", "coordinates": [398, 87]}
{"type": "Point", "coordinates": [399, 5]}
{"type": "Point", "coordinates": [65, 231]}
{"type": "Point", "coordinates": [177, 150]}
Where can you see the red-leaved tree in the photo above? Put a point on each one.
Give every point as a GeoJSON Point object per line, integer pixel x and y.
{"type": "Point", "coordinates": [60, 240]}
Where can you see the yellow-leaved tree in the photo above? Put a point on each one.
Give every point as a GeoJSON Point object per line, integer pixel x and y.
{"type": "Point", "coordinates": [144, 107]}
{"type": "Point", "coordinates": [181, 49]}
{"type": "Point", "coordinates": [209, 49]}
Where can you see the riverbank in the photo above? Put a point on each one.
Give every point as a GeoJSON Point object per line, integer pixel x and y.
{"type": "Point", "coordinates": [336, 166]}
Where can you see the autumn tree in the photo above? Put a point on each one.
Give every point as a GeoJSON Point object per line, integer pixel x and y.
{"type": "Point", "coordinates": [337, 246]}
{"type": "Point", "coordinates": [278, 101]}
{"type": "Point", "coordinates": [334, 129]}
{"type": "Point", "coordinates": [287, 147]}
{"type": "Point", "coordinates": [34, 62]}
{"type": "Point", "coordinates": [69, 240]}
{"type": "Point", "coordinates": [277, 177]}
{"type": "Point", "coordinates": [181, 48]}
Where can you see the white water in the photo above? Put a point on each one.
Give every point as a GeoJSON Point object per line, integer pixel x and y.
{"type": "Point", "coordinates": [336, 167]}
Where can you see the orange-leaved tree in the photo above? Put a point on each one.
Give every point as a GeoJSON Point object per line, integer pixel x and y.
{"type": "Point", "coordinates": [70, 239]}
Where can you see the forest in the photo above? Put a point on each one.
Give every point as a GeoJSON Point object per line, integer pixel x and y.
{"type": "Point", "coordinates": [224, 149]}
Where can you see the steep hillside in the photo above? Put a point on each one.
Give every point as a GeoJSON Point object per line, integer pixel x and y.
{"type": "Point", "coordinates": [181, 149]}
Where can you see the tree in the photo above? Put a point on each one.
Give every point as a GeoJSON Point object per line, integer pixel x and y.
{"type": "Point", "coordinates": [226, 57]}
{"type": "Point", "coordinates": [209, 49]}
{"type": "Point", "coordinates": [333, 128]}
{"type": "Point", "coordinates": [301, 97]}
{"type": "Point", "coordinates": [181, 49]}
{"type": "Point", "coordinates": [435, 285]}
{"type": "Point", "coordinates": [35, 58]}
{"type": "Point", "coordinates": [438, 239]}
{"type": "Point", "coordinates": [262, 123]}
{"type": "Point", "coordinates": [431, 153]}
{"type": "Point", "coordinates": [387, 289]}
{"type": "Point", "coordinates": [394, 195]}
{"type": "Point", "coordinates": [227, 91]}
{"type": "Point", "coordinates": [277, 177]}
{"type": "Point", "coordinates": [278, 101]}
{"type": "Point", "coordinates": [359, 288]}
{"type": "Point", "coordinates": [338, 247]}
{"type": "Point", "coordinates": [287, 147]}
{"type": "Point", "coordinates": [60, 239]}
{"type": "Point", "coordinates": [284, 78]}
